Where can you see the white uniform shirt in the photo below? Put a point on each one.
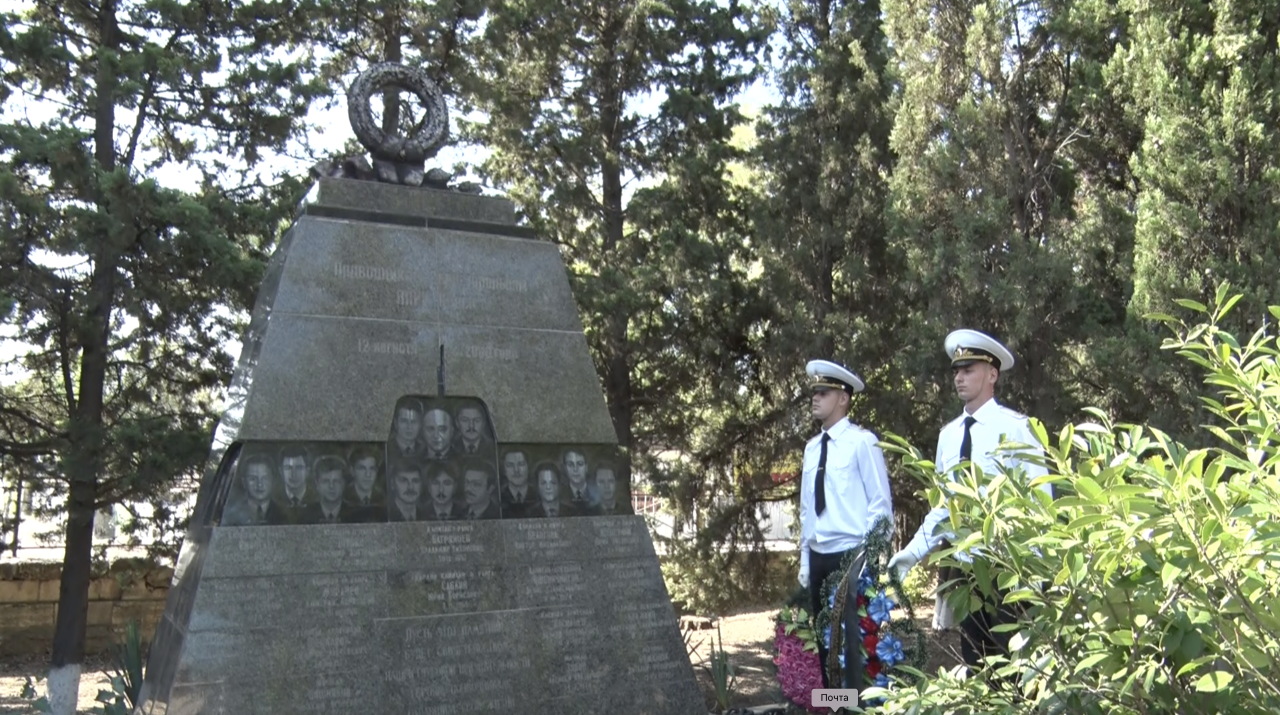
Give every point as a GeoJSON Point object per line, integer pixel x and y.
{"type": "Point", "coordinates": [856, 488]}
{"type": "Point", "coordinates": [995, 424]}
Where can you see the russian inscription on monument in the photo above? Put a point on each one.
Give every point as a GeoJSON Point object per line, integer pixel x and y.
{"type": "Point", "coordinates": [415, 503]}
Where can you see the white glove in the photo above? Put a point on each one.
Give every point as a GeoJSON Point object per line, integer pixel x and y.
{"type": "Point", "coordinates": [903, 561]}
{"type": "Point", "coordinates": [804, 576]}
{"type": "Point", "coordinates": [943, 617]}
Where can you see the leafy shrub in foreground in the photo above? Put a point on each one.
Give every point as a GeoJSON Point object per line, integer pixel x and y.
{"type": "Point", "coordinates": [1151, 583]}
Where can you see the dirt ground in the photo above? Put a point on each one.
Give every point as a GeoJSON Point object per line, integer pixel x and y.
{"type": "Point", "coordinates": [14, 672]}
{"type": "Point", "coordinates": [747, 637]}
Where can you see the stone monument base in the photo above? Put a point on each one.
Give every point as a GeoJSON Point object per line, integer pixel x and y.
{"type": "Point", "coordinates": [555, 616]}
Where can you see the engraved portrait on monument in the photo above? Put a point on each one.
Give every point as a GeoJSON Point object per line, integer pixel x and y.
{"type": "Point", "coordinates": [438, 431]}
{"type": "Point", "coordinates": [404, 486]}
{"type": "Point", "coordinates": [251, 500]}
{"type": "Point", "coordinates": [442, 491]}
{"type": "Point", "coordinates": [294, 471]}
{"type": "Point", "coordinates": [479, 490]}
{"type": "Point", "coordinates": [541, 480]}
{"type": "Point", "coordinates": [547, 477]}
{"type": "Point", "coordinates": [474, 437]}
{"type": "Point", "coordinates": [517, 495]}
{"type": "Point", "coordinates": [366, 490]}
{"type": "Point", "coordinates": [611, 500]}
{"type": "Point", "coordinates": [574, 463]}
{"type": "Point", "coordinates": [331, 476]}
{"type": "Point", "coordinates": [407, 440]}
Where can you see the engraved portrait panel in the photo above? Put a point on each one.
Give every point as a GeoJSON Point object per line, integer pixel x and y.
{"type": "Point", "coordinates": [555, 480]}
{"type": "Point", "coordinates": [441, 460]}
{"type": "Point", "coordinates": [306, 483]}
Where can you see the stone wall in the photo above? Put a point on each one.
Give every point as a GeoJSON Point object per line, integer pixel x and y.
{"type": "Point", "coordinates": [127, 590]}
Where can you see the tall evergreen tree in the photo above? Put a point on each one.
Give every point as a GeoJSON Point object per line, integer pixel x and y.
{"type": "Point", "coordinates": [609, 125]}
{"type": "Point", "coordinates": [439, 37]}
{"type": "Point", "coordinates": [823, 157]}
{"type": "Point", "coordinates": [1010, 195]}
{"type": "Point", "coordinates": [822, 161]}
{"type": "Point", "coordinates": [124, 288]}
{"type": "Point", "coordinates": [1205, 87]}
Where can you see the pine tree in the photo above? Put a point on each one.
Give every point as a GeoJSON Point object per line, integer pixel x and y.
{"type": "Point", "coordinates": [1010, 192]}
{"type": "Point", "coordinates": [609, 125]}
{"type": "Point", "coordinates": [439, 37]}
{"type": "Point", "coordinates": [823, 162]}
{"type": "Point", "coordinates": [1206, 85]}
{"type": "Point", "coordinates": [123, 286]}
{"type": "Point", "coordinates": [1205, 88]}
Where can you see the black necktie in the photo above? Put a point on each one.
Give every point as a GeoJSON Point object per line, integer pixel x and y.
{"type": "Point", "coordinates": [966, 444]}
{"type": "Point", "coordinates": [819, 486]}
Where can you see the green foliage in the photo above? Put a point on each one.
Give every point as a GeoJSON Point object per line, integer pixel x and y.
{"type": "Point", "coordinates": [919, 585]}
{"type": "Point", "coordinates": [823, 158]}
{"type": "Point", "coordinates": [31, 693]}
{"type": "Point", "coordinates": [102, 259]}
{"type": "Point", "coordinates": [611, 124]}
{"type": "Point", "coordinates": [1009, 202]}
{"type": "Point", "coordinates": [713, 582]}
{"type": "Point", "coordinates": [723, 678]}
{"type": "Point", "coordinates": [1200, 90]}
{"type": "Point", "coordinates": [1150, 583]}
{"type": "Point", "coordinates": [116, 701]}
{"type": "Point", "coordinates": [797, 622]}
{"type": "Point", "coordinates": [126, 680]}
{"type": "Point", "coordinates": [1206, 84]}
{"type": "Point", "coordinates": [136, 219]}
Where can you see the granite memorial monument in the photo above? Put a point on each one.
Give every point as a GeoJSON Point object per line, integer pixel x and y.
{"type": "Point", "coordinates": [384, 526]}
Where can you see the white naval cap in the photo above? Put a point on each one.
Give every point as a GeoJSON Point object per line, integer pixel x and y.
{"type": "Point", "coordinates": [966, 347]}
{"type": "Point", "coordinates": [827, 374]}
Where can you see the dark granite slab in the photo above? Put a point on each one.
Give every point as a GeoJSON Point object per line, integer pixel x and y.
{"type": "Point", "coordinates": [372, 196]}
{"type": "Point", "coordinates": [506, 624]}
{"type": "Point", "coordinates": [504, 613]}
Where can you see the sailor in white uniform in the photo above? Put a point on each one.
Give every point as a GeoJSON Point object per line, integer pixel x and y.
{"type": "Point", "coordinates": [977, 360]}
{"type": "Point", "coordinates": [844, 490]}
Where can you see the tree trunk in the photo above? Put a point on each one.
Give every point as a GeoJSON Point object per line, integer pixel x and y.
{"type": "Point", "coordinates": [17, 516]}
{"type": "Point", "coordinates": [83, 459]}
{"type": "Point", "coordinates": [73, 592]}
{"type": "Point", "coordinates": [825, 306]}
{"type": "Point", "coordinates": [391, 52]}
{"type": "Point", "coordinates": [617, 366]}
{"type": "Point", "coordinates": [824, 278]}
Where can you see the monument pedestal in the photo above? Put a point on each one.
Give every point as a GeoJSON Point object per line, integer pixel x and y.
{"type": "Point", "coordinates": [389, 611]}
